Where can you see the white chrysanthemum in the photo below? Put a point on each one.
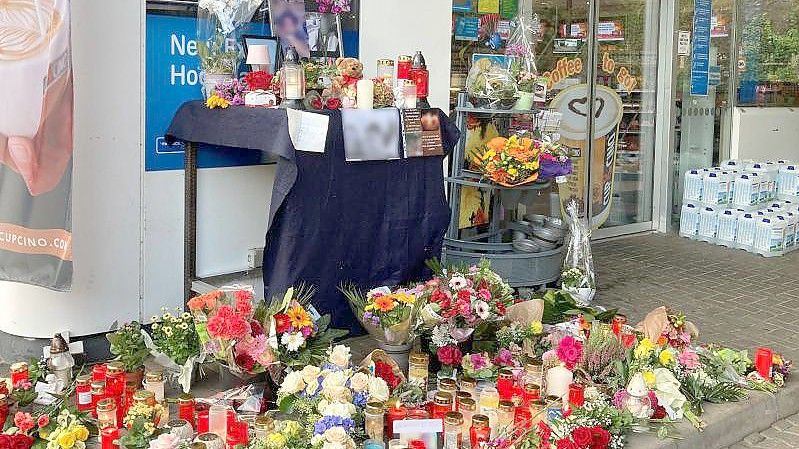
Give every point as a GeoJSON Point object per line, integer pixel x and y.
{"type": "Point", "coordinates": [292, 340]}
{"type": "Point", "coordinates": [458, 282]}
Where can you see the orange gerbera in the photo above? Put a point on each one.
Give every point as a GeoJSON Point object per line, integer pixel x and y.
{"type": "Point", "coordinates": [384, 303]}
{"type": "Point", "coordinates": [299, 317]}
{"type": "Point", "coordinates": [497, 143]}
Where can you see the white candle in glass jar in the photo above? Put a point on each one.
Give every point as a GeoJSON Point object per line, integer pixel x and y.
{"type": "Point", "coordinates": [558, 380]}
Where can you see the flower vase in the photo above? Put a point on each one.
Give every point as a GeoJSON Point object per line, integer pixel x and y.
{"type": "Point", "coordinates": [524, 102]}
{"type": "Point", "coordinates": [210, 81]}
{"type": "Point", "coordinates": [398, 353]}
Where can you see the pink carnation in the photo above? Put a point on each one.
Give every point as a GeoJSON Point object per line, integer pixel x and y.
{"type": "Point", "coordinates": [449, 355]}
{"type": "Point", "coordinates": [689, 359]}
{"type": "Point", "coordinates": [23, 421]}
{"type": "Point", "coordinates": [569, 351]}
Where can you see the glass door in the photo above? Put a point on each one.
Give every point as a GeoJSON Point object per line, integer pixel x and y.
{"type": "Point", "coordinates": [605, 50]}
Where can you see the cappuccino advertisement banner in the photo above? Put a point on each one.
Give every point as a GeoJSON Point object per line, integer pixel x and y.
{"type": "Point", "coordinates": [36, 143]}
{"type": "Point", "coordinates": [595, 159]}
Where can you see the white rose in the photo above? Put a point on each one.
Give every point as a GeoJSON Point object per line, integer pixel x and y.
{"type": "Point", "coordinates": [336, 435]}
{"type": "Point", "coordinates": [338, 393]}
{"type": "Point", "coordinates": [338, 409]}
{"type": "Point", "coordinates": [311, 386]}
{"type": "Point", "coordinates": [310, 373]}
{"type": "Point", "coordinates": [293, 383]}
{"type": "Point", "coordinates": [334, 379]}
{"type": "Point", "coordinates": [340, 356]}
{"type": "Point", "coordinates": [378, 389]}
{"type": "Point", "coordinates": [359, 382]}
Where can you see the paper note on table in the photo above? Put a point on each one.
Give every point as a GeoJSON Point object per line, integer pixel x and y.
{"type": "Point", "coordinates": [308, 131]}
{"type": "Point", "coordinates": [488, 7]}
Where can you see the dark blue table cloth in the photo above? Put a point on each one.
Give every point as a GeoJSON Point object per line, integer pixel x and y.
{"type": "Point", "coordinates": [332, 221]}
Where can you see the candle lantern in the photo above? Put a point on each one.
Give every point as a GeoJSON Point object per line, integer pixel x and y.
{"type": "Point", "coordinates": [764, 361]}
{"type": "Point", "coordinates": [385, 70]}
{"type": "Point", "coordinates": [480, 432]}
{"type": "Point", "coordinates": [115, 379]}
{"type": "Point", "coordinates": [618, 323]}
{"type": "Point", "coordinates": [98, 394]}
{"type": "Point", "coordinates": [60, 361]}
{"type": "Point", "coordinates": [186, 409]}
{"type": "Point", "coordinates": [418, 369]}
{"type": "Point", "coordinates": [292, 80]}
{"type": "Point", "coordinates": [263, 425]}
{"type": "Point", "coordinates": [467, 409]}
{"type": "Point", "coordinates": [154, 382]}
{"type": "Point", "coordinates": [109, 437]}
{"type": "Point", "coordinates": [395, 414]}
{"type": "Point", "coordinates": [442, 404]}
{"type": "Point", "coordinates": [98, 372]}
{"type": "Point", "coordinates": [421, 77]}
{"type": "Point", "coordinates": [83, 393]}
{"type": "Point", "coordinates": [106, 413]}
{"type": "Point", "coordinates": [469, 385]}
{"type": "Point", "coordinates": [505, 384]}
{"type": "Point", "coordinates": [453, 430]}
{"type": "Point", "coordinates": [558, 380]}
{"type": "Point", "coordinates": [576, 395]}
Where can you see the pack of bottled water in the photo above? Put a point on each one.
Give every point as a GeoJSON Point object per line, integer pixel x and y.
{"type": "Point", "coordinates": [748, 205]}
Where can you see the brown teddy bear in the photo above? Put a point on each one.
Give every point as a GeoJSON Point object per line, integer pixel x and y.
{"type": "Point", "coordinates": [350, 70]}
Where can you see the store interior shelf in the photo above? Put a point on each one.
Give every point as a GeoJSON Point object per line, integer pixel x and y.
{"type": "Point", "coordinates": [475, 110]}
{"type": "Point", "coordinates": [468, 178]}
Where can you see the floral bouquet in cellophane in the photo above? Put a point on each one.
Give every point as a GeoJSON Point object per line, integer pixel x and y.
{"type": "Point", "coordinates": [510, 162]}
{"type": "Point", "coordinates": [389, 316]}
{"type": "Point", "coordinates": [297, 335]}
{"type": "Point", "coordinates": [230, 328]}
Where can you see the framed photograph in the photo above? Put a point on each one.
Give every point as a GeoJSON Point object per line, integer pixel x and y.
{"type": "Point", "coordinates": [287, 19]}
{"type": "Point", "coordinates": [324, 35]}
{"type": "Point", "coordinates": [272, 45]}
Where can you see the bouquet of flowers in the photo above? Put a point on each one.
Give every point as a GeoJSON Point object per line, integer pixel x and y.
{"type": "Point", "coordinates": [389, 316]}
{"type": "Point", "coordinates": [258, 80]}
{"type": "Point", "coordinates": [230, 331]}
{"type": "Point", "coordinates": [287, 434]}
{"type": "Point", "coordinates": [510, 161]}
{"type": "Point", "coordinates": [554, 159]}
{"type": "Point", "coordinates": [596, 425]}
{"type": "Point", "coordinates": [297, 335]}
{"type": "Point", "coordinates": [128, 345]}
{"type": "Point", "coordinates": [226, 93]}
{"type": "Point", "coordinates": [479, 366]}
{"type": "Point", "coordinates": [175, 345]}
{"type": "Point", "coordinates": [67, 431]}
{"type": "Point", "coordinates": [329, 399]}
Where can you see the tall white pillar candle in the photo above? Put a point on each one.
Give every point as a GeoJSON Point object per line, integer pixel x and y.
{"type": "Point", "coordinates": [365, 90]}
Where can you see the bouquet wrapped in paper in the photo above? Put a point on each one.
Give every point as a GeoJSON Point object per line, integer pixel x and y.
{"type": "Point", "coordinates": [390, 316]}
{"type": "Point", "coordinates": [578, 276]}
{"type": "Point", "coordinates": [510, 162]}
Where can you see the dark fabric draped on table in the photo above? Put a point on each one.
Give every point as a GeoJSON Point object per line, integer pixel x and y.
{"type": "Point", "coordinates": [331, 221]}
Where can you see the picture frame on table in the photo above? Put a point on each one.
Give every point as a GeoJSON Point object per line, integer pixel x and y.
{"type": "Point", "coordinates": [287, 21]}
{"type": "Point", "coordinates": [272, 44]}
{"type": "Point", "coordinates": [325, 37]}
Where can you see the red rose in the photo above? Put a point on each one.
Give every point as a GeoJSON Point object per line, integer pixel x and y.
{"type": "Point", "coordinates": [582, 437]}
{"type": "Point", "coordinates": [316, 103]}
{"type": "Point", "coordinates": [282, 323]}
{"type": "Point", "coordinates": [449, 355]}
{"type": "Point", "coordinates": [600, 438]}
{"type": "Point", "coordinates": [565, 443]}
{"type": "Point", "coordinates": [20, 441]}
{"type": "Point", "coordinates": [333, 103]}
{"type": "Point", "coordinates": [246, 363]}
{"type": "Point", "coordinates": [5, 441]}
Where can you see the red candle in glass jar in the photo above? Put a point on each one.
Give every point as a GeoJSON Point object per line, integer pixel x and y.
{"type": "Point", "coordinates": [395, 414]}
{"type": "Point", "coordinates": [98, 394]}
{"type": "Point", "coordinates": [505, 384]}
{"type": "Point", "coordinates": [244, 433]}
{"type": "Point", "coordinates": [522, 418]}
{"type": "Point", "coordinates": [442, 404]}
{"type": "Point", "coordinates": [232, 421]}
{"type": "Point", "coordinates": [186, 409]}
{"type": "Point", "coordinates": [576, 395]}
{"type": "Point", "coordinates": [480, 432]}
{"type": "Point", "coordinates": [416, 444]}
{"type": "Point", "coordinates": [404, 63]}
{"type": "Point", "coordinates": [115, 379]}
{"type": "Point", "coordinates": [19, 373]}
{"type": "Point", "coordinates": [202, 420]}
{"type": "Point", "coordinates": [109, 438]}
{"type": "Point", "coordinates": [3, 408]}
{"type": "Point", "coordinates": [532, 392]}
{"type": "Point", "coordinates": [98, 372]}
{"type": "Point", "coordinates": [83, 393]}
{"type": "Point", "coordinates": [764, 360]}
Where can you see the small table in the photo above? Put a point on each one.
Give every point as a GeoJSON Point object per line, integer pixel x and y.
{"type": "Point", "coordinates": [330, 221]}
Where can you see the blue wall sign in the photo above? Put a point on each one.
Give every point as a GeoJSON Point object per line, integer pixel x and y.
{"type": "Point", "coordinates": [700, 47]}
{"type": "Point", "coordinates": [173, 77]}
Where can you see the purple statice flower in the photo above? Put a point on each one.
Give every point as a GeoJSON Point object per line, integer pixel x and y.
{"type": "Point", "coordinates": [328, 422]}
{"type": "Point", "coordinates": [231, 90]}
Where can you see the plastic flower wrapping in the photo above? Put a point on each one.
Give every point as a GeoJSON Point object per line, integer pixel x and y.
{"type": "Point", "coordinates": [458, 299]}
{"type": "Point", "coordinates": [224, 16]}
{"type": "Point", "coordinates": [295, 333]}
{"type": "Point", "coordinates": [175, 345]}
{"type": "Point", "coordinates": [577, 276]}
{"type": "Point", "coordinates": [390, 316]}
{"type": "Point", "coordinates": [512, 161]}
{"type": "Point", "coordinates": [229, 330]}
{"type": "Point", "coordinates": [329, 399]}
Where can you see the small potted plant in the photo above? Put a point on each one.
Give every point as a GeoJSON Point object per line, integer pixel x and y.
{"type": "Point", "coordinates": [218, 64]}
{"type": "Point", "coordinates": [127, 344]}
{"type": "Point", "coordinates": [525, 83]}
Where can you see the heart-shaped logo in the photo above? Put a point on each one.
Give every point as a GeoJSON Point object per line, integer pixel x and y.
{"type": "Point", "coordinates": [582, 103]}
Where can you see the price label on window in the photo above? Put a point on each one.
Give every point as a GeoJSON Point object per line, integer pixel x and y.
{"type": "Point", "coordinates": [684, 43]}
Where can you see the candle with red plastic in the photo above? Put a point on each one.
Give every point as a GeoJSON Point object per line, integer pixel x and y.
{"type": "Point", "coordinates": [505, 384]}
{"type": "Point", "coordinates": [416, 444]}
{"type": "Point", "coordinates": [522, 418]}
{"type": "Point", "coordinates": [19, 373]}
{"type": "Point", "coordinates": [480, 432]}
{"type": "Point", "coordinates": [404, 63]}
{"type": "Point", "coordinates": [442, 404]}
{"type": "Point", "coordinates": [186, 409]}
{"type": "Point", "coordinates": [764, 360]}
{"type": "Point", "coordinates": [98, 372]}
{"type": "Point", "coordinates": [576, 395]}
{"type": "Point", "coordinates": [395, 414]}
{"type": "Point", "coordinates": [202, 419]}
{"type": "Point", "coordinates": [83, 393]}
{"type": "Point", "coordinates": [532, 392]}
{"type": "Point", "coordinates": [109, 438]}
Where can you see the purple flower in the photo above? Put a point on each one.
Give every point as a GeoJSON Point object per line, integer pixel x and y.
{"type": "Point", "coordinates": [478, 361]}
{"type": "Point", "coordinates": [618, 398]}
{"type": "Point", "coordinates": [504, 358]}
{"type": "Point", "coordinates": [328, 422]}
{"type": "Point", "coordinates": [306, 331]}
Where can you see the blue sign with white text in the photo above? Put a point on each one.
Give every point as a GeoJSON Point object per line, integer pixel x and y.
{"type": "Point", "coordinates": [700, 47]}
{"type": "Point", "coordinates": [173, 77]}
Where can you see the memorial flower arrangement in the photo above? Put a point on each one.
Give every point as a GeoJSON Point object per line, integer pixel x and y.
{"type": "Point", "coordinates": [329, 399]}
{"type": "Point", "coordinates": [175, 336]}
{"type": "Point", "coordinates": [510, 161]}
{"type": "Point", "coordinates": [390, 316]}
{"type": "Point", "coordinates": [258, 80]}
{"type": "Point", "coordinates": [226, 93]}
{"type": "Point", "coordinates": [296, 334]}
{"type": "Point", "coordinates": [287, 434]}
{"type": "Point", "coordinates": [66, 431]}
{"type": "Point", "coordinates": [230, 331]}
{"type": "Point", "coordinates": [554, 159]}
{"type": "Point", "coordinates": [595, 425]}
{"type": "Point", "coordinates": [479, 366]}
{"type": "Point", "coordinates": [127, 344]}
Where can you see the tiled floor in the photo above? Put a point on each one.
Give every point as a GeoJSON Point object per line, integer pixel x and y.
{"type": "Point", "coordinates": [735, 298]}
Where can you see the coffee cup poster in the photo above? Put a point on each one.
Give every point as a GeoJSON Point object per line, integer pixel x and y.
{"type": "Point", "coordinates": [36, 143]}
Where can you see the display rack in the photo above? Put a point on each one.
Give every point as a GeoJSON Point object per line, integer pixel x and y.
{"type": "Point", "coordinates": [520, 268]}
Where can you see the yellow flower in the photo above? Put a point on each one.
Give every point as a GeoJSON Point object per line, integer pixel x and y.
{"type": "Point", "coordinates": [299, 317]}
{"type": "Point", "coordinates": [66, 440]}
{"type": "Point", "coordinates": [513, 172]}
{"type": "Point", "coordinates": [81, 433]}
{"type": "Point", "coordinates": [275, 441]}
{"type": "Point", "coordinates": [405, 298]}
{"type": "Point", "coordinates": [666, 357]}
{"type": "Point", "coordinates": [644, 348]}
{"type": "Point", "coordinates": [215, 101]}
{"type": "Point", "coordinates": [537, 328]}
{"type": "Point", "coordinates": [649, 378]}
